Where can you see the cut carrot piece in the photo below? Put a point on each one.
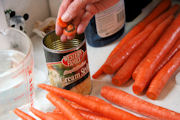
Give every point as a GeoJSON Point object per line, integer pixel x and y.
{"type": "Point", "coordinates": [138, 105]}
{"type": "Point", "coordinates": [105, 110]}
{"type": "Point", "coordinates": [162, 77]}
{"type": "Point", "coordinates": [70, 30]}
{"type": "Point", "coordinates": [41, 114]}
{"type": "Point", "coordinates": [156, 55]}
{"type": "Point", "coordinates": [125, 72]}
{"type": "Point", "coordinates": [68, 111]}
{"type": "Point", "coordinates": [61, 23]}
{"type": "Point", "coordinates": [23, 115]}
{"type": "Point", "coordinates": [161, 7]}
{"type": "Point", "coordinates": [113, 64]}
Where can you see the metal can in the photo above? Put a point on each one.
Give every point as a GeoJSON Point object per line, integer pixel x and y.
{"type": "Point", "coordinates": [67, 63]}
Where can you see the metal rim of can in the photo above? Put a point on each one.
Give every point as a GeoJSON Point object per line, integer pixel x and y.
{"type": "Point", "coordinates": [65, 50]}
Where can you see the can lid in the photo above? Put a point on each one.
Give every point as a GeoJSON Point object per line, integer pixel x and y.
{"type": "Point", "coordinates": [52, 43]}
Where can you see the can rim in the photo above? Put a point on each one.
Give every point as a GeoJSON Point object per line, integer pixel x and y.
{"type": "Point", "coordinates": [61, 51]}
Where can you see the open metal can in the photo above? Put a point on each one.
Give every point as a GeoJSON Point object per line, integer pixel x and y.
{"type": "Point", "coordinates": [67, 63]}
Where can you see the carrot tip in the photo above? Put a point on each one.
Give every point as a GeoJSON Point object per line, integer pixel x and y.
{"type": "Point", "coordinates": [137, 90]}
{"type": "Point", "coordinates": [151, 95]}
{"type": "Point", "coordinates": [108, 69]}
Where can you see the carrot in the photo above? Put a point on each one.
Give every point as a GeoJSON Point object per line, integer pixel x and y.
{"type": "Point", "coordinates": [41, 115]}
{"type": "Point", "coordinates": [77, 106]}
{"type": "Point", "coordinates": [92, 116]}
{"type": "Point", "coordinates": [175, 48]}
{"type": "Point", "coordinates": [113, 64]}
{"type": "Point", "coordinates": [65, 108]}
{"type": "Point", "coordinates": [98, 73]}
{"type": "Point", "coordinates": [105, 110]}
{"type": "Point", "coordinates": [125, 72]}
{"type": "Point", "coordinates": [138, 105]}
{"type": "Point", "coordinates": [160, 80]}
{"type": "Point", "coordinates": [70, 30]}
{"type": "Point", "coordinates": [171, 53]}
{"type": "Point", "coordinates": [97, 99]}
{"type": "Point", "coordinates": [61, 23]}
{"type": "Point", "coordinates": [23, 115]}
{"type": "Point", "coordinates": [58, 116]}
{"type": "Point", "coordinates": [156, 55]}
{"type": "Point", "coordinates": [161, 7]}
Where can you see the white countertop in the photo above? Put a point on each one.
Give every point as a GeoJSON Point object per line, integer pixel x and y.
{"type": "Point", "coordinates": [169, 98]}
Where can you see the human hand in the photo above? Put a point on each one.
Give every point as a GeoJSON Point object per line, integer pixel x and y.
{"type": "Point", "coordinates": [79, 13]}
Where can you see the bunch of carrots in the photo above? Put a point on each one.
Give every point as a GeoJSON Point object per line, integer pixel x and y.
{"type": "Point", "coordinates": [149, 53]}
{"type": "Point", "coordinates": [74, 106]}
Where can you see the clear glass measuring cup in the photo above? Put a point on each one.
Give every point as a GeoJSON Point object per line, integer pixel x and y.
{"type": "Point", "coordinates": [16, 72]}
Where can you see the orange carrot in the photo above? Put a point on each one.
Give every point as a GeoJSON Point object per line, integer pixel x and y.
{"type": "Point", "coordinates": [161, 7]}
{"type": "Point", "coordinates": [160, 80]}
{"type": "Point", "coordinates": [23, 115]}
{"type": "Point", "coordinates": [68, 111]}
{"type": "Point", "coordinates": [98, 73]}
{"type": "Point", "coordinates": [97, 99]}
{"type": "Point", "coordinates": [70, 30]}
{"type": "Point", "coordinates": [77, 106]}
{"type": "Point", "coordinates": [156, 55]}
{"type": "Point", "coordinates": [61, 23]}
{"type": "Point", "coordinates": [175, 48]}
{"type": "Point", "coordinates": [105, 110]}
{"type": "Point", "coordinates": [146, 118]}
{"type": "Point", "coordinates": [92, 116]}
{"type": "Point", "coordinates": [113, 64]}
{"type": "Point", "coordinates": [171, 53]}
{"type": "Point", "coordinates": [125, 72]}
{"type": "Point", "coordinates": [138, 105]}
{"type": "Point", "coordinates": [41, 114]}
{"type": "Point", "coordinates": [58, 116]}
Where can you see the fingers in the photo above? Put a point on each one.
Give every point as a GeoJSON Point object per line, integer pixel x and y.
{"type": "Point", "coordinates": [73, 9]}
{"type": "Point", "coordinates": [90, 12]}
{"type": "Point", "coordinates": [76, 22]}
{"type": "Point", "coordinates": [64, 5]}
{"type": "Point", "coordinates": [62, 9]}
{"type": "Point", "coordinates": [84, 22]}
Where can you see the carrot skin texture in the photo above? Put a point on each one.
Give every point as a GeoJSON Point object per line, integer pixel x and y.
{"type": "Point", "coordinates": [156, 55]}
{"type": "Point", "coordinates": [171, 53]}
{"type": "Point", "coordinates": [160, 8]}
{"type": "Point", "coordinates": [65, 108]}
{"type": "Point", "coordinates": [92, 116]}
{"type": "Point", "coordinates": [125, 72]}
{"type": "Point", "coordinates": [162, 77]}
{"type": "Point", "coordinates": [98, 73]}
{"type": "Point", "coordinates": [105, 110]}
{"type": "Point", "coordinates": [41, 114]}
{"type": "Point", "coordinates": [116, 61]}
{"type": "Point", "coordinates": [23, 115]}
{"type": "Point", "coordinates": [138, 105]}
{"type": "Point", "coordinates": [175, 48]}
{"type": "Point", "coordinates": [58, 116]}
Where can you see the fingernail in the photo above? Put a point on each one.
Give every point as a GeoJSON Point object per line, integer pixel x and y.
{"type": "Point", "coordinates": [65, 17]}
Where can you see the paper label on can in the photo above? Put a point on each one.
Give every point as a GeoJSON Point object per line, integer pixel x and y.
{"type": "Point", "coordinates": [70, 71]}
